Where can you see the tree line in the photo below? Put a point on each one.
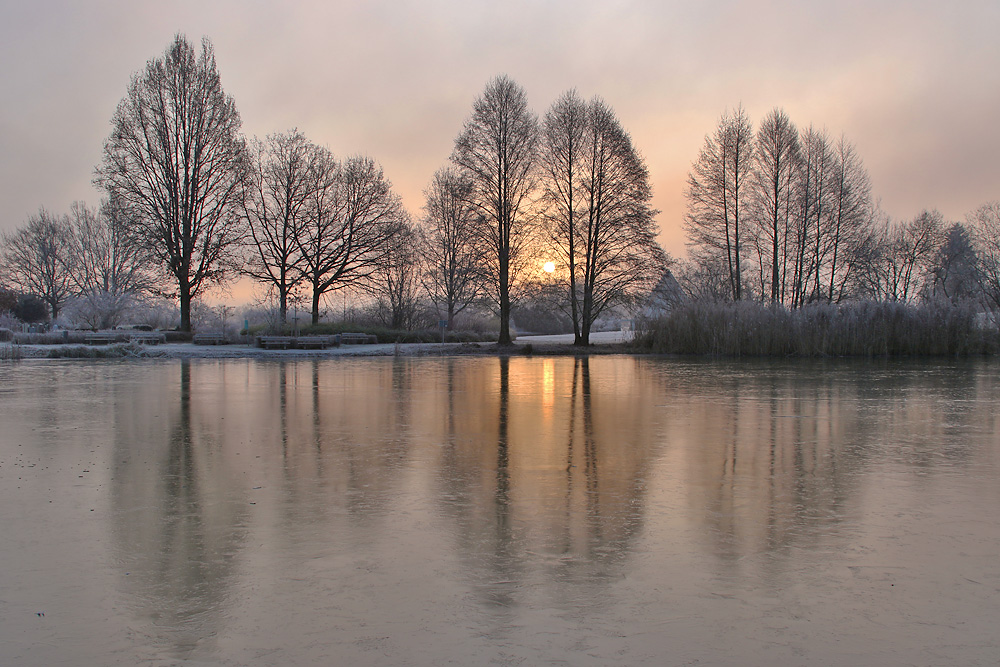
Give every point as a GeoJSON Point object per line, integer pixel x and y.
{"type": "Point", "coordinates": [91, 258]}
{"type": "Point", "coordinates": [775, 215]}
{"type": "Point", "coordinates": [191, 203]}
{"type": "Point", "coordinates": [786, 217]}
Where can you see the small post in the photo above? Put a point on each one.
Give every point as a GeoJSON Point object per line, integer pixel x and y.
{"type": "Point", "coordinates": [444, 325]}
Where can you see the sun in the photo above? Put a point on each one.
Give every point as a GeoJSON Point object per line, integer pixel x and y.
{"type": "Point", "coordinates": [549, 267]}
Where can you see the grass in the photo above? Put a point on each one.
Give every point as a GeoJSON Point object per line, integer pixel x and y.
{"type": "Point", "coordinates": [115, 351]}
{"type": "Point", "coordinates": [10, 352]}
{"type": "Point", "coordinates": [863, 329]}
{"type": "Point", "coordinates": [50, 338]}
{"type": "Point", "coordinates": [79, 337]}
{"type": "Point", "coordinates": [386, 335]}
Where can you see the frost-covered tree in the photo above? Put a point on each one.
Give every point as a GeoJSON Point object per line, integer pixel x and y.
{"type": "Point", "coordinates": [954, 270]}
{"type": "Point", "coordinates": [112, 268]}
{"type": "Point", "coordinates": [894, 261]}
{"type": "Point", "coordinates": [39, 257]}
{"type": "Point", "coordinates": [984, 226]}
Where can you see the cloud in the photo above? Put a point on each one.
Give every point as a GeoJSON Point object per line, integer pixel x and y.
{"type": "Point", "coordinates": [913, 85]}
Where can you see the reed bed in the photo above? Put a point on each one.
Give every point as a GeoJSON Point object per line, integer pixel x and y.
{"type": "Point", "coordinates": [861, 329]}
{"type": "Point", "coordinates": [10, 352]}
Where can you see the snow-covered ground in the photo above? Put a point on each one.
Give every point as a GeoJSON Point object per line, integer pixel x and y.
{"type": "Point", "coordinates": [599, 338]}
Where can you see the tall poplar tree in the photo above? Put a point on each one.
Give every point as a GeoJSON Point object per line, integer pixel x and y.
{"type": "Point", "coordinates": [776, 167]}
{"type": "Point", "coordinates": [718, 200]}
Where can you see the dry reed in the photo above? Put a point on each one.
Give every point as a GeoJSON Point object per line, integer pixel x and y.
{"type": "Point", "coordinates": [865, 329]}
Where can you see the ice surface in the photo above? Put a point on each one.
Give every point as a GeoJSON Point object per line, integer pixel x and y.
{"type": "Point", "coordinates": [475, 510]}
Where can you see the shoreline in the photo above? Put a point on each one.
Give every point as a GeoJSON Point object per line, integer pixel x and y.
{"type": "Point", "coordinates": [603, 343]}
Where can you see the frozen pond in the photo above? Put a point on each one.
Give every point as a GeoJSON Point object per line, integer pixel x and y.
{"type": "Point", "coordinates": [477, 511]}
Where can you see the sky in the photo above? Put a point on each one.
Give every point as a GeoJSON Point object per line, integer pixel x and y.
{"type": "Point", "coordinates": [914, 85]}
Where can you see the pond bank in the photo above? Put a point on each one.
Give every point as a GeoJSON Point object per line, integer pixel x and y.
{"type": "Point", "coordinates": [613, 342]}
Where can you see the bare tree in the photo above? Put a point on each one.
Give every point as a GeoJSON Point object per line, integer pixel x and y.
{"type": "Point", "coordinates": [776, 167]}
{"type": "Point", "coordinates": [112, 265]}
{"type": "Point", "coordinates": [277, 199]}
{"type": "Point", "coordinates": [718, 199]}
{"type": "Point", "coordinates": [39, 259]}
{"type": "Point", "coordinates": [915, 244]}
{"type": "Point", "coordinates": [598, 189]}
{"type": "Point", "coordinates": [562, 148]}
{"type": "Point", "coordinates": [817, 231]}
{"type": "Point", "coordinates": [497, 148]}
{"type": "Point", "coordinates": [984, 224]}
{"type": "Point", "coordinates": [622, 259]}
{"type": "Point", "coordinates": [355, 214]}
{"type": "Point", "coordinates": [703, 282]}
{"type": "Point", "coordinates": [896, 258]}
{"type": "Point", "coordinates": [451, 252]}
{"type": "Point", "coordinates": [791, 223]}
{"type": "Point", "coordinates": [176, 158]}
{"type": "Point", "coordinates": [850, 216]}
{"type": "Point", "coordinates": [817, 206]}
{"type": "Point", "coordinates": [396, 282]}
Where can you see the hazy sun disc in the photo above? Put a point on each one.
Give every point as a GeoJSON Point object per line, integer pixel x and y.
{"type": "Point", "coordinates": [549, 267]}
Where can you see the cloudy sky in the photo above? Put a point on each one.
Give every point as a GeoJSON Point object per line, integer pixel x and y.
{"type": "Point", "coordinates": [914, 85]}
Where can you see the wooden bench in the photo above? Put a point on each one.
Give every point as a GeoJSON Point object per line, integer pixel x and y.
{"type": "Point", "coordinates": [275, 342]}
{"type": "Point", "coordinates": [357, 338]}
{"type": "Point", "coordinates": [103, 337]}
{"type": "Point", "coordinates": [147, 337]}
{"type": "Point", "coordinates": [123, 336]}
{"type": "Point", "coordinates": [209, 339]}
{"type": "Point", "coordinates": [314, 342]}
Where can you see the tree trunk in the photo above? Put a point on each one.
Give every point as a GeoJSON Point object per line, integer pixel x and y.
{"type": "Point", "coordinates": [574, 306]}
{"type": "Point", "coordinates": [185, 299]}
{"type": "Point", "coordinates": [577, 333]}
{"type": "Point", "coordinates": [282, 304]}
{"type": "Point", "coordinates": [504, 338]}
{"type": "Point", "coordinates": [588, 305]}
